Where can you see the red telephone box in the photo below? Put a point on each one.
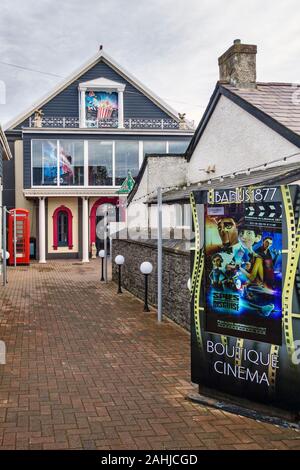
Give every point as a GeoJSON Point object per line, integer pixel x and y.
{"type": "Point", "coordinates": [19, 229]}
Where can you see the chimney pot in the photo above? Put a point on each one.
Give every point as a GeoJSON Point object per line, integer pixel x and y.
{"type": "Point", "coordinates": [237, 65]}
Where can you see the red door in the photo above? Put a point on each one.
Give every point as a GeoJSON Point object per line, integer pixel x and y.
{"type": "Point", "coordinates": [18, 229]}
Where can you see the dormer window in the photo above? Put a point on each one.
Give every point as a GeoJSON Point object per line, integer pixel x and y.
{"type": "Point", "coordinates": [101, 103]}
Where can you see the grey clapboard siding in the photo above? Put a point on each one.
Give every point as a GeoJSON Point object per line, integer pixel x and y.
{"type": "Point", "coordinates": [28, 137]}
{"type": "Point", "coordinates": [26, 162]}
{"type": "Point", "coordinates": [1, 161]}
{"type": "Point", "coordinates": [136, 104]}
{"type": "Point", "coordinates": [9, 178]}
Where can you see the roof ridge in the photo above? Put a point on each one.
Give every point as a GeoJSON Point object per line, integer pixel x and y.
{"type": "Point", "coordinates": [277, 83]}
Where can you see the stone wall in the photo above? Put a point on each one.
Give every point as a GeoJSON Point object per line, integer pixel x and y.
{"type": "Point", "coordinates": [176, 272]}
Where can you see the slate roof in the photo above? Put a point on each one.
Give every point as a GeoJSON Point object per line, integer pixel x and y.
{"type": "Point", "coordinates": [277, 105]}
{"type": "Point", "coordinates": [281, 101]}
{"type": "Point", "coordinates": [282, 174]}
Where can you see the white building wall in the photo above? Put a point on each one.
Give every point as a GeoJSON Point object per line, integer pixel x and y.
{"type": "Point", "coordinates": [234, 140]}
{"type": "Point", "coordinates": [160, 171]}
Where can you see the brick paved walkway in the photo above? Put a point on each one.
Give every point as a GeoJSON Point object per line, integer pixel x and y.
{"type": "Point", "coordinates": [87, 369]}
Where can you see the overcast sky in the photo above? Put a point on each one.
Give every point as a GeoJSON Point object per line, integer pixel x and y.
{"type": "Point", "coordinates": [171, 46]}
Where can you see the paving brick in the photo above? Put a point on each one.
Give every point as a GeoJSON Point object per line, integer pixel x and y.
{"type": "Point", "coordinates": [87, 369]}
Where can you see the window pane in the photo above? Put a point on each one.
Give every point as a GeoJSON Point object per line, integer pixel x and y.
{"type": "Point", "coordinates": [178, 146]}
{"type": "Point", "coordinates": [127, 159]}
{"type": "Point", "coordinates": [100, 163]}
{"type": "Point", "coordinates": [44, 162]}
{"type": "Point", "coordinates": [71, 162]}
{"type": "Point", "coordinates": [154, 147]}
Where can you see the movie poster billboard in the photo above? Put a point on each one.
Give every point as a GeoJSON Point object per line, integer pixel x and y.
{"type": "Point", "coordinates": [243, 270]}
{"type": "Point", "coordinates": [101, 105]}
{"type": "Point", "coordinates": [245, 293]}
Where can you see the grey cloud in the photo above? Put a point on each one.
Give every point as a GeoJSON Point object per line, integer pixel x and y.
{"type": "Point", "coordinates": [170, 45]}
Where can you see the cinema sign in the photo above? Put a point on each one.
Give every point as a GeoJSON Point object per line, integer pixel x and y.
{"type": "Point", "coordinates": [245, 293]}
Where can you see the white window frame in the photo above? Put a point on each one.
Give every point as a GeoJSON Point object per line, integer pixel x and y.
{"type": "Point", "coordinates": [112, 142]}
{"type": "Point", "coordinates": [86, 163]}
{"type": "Point", "coordinates": [31, 167]}
{"type": "Point", "coordinates": [58, 162]}
{"type": "Point", "coordinates": [107, 86]}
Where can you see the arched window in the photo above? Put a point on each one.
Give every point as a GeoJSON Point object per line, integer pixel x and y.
{"type": "Point", "coordinates": [62, 228]}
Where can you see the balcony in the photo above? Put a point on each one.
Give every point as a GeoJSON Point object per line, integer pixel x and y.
{"type": "Point", "coordinates": [129, 123]}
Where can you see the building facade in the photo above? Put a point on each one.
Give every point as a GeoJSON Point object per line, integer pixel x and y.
{"type": "Point", "coordinates": [75, 148]}
{"type": "Point", "coordinates": [5, 158]}
{"type": "Point", "coordinates": [249, 134]}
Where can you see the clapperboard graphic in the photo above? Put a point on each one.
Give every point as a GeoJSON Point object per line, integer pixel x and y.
{"type": "Point", "coordinates": [264, 214]}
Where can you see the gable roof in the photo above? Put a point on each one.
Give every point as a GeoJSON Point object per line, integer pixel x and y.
{"type": "Point", "coordinates": [275, 175]}
{"type": "Point", "coordinates": [142, 169]}
{"type": "Point", "coordinates": [281, 101]}
{"type": "Point", "coordinates": [277, 105]}
{"type": "Point", "coordinates": [4, 144]}
{"type": "Point", "coordinates": [100, 56]}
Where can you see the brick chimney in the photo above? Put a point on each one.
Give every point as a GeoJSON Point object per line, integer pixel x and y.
{"type": "Point", "coordinates": [237, 65]}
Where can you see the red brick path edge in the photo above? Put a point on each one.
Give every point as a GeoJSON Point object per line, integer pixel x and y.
{"type": "Point", "coordinates": [87, 369]}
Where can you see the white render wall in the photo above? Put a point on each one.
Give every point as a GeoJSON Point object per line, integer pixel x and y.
{"type": "Point", "coordinates": [160, 171]}
{"type": "Point", "coordinates": [234, 140]}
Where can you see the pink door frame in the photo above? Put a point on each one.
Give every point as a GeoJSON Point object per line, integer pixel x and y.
{"type": "Point", "coordinates": [102, 200]}
{"type": "Point", "coordinates": [55, 226]}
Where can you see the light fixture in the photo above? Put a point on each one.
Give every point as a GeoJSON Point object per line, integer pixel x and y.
{"type": "Point", "coordinates": [119, 260]}
{"type": "Point", "coordinates": [102, 256]}
{"type": "Point", "coordinates": [232, 176]}
{"type": "Point", "coordinates": [209, 182]}
{"type": "Point", "coordinates": [221, 179]}
{"type": "Point", "coordinates": [146, 269]}
{"type": "Point", "coordinates": [6, 253]}
{"type": "Point", "coordinates": [248, 172]}
{"type": "Point", "coordinates": [199, 184]}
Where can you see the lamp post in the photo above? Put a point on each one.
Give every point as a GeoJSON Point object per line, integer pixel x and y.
{"type": "Point", "coordinates": [102, 256]}
{"type": "Point", "coordinates": [119, 260]}
{"type": "Point", "coordinates": [4, 255]}
{"type": "Point", "coordinates": [146, 269]}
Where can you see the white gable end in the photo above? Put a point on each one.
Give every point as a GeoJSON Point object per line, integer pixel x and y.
{"type": "Point", "coordinates": [102, 84]}
{"type": "Point", "coordinates": [235, 140]}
